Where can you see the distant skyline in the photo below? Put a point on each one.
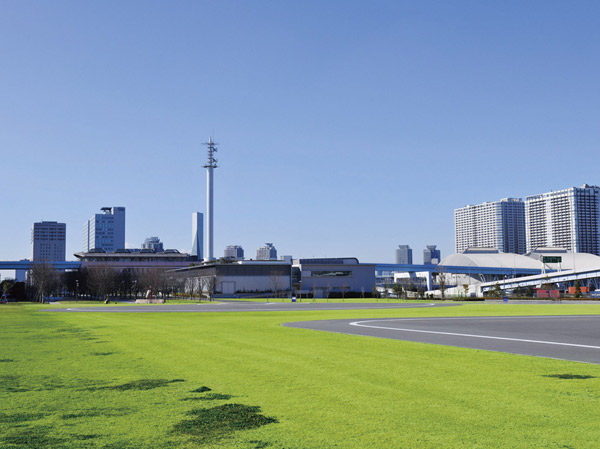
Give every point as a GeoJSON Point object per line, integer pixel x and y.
{"type": "Point", "coordinates": [345, 128]}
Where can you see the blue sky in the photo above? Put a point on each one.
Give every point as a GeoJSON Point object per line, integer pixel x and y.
{"type": "Point", "coordinates": [345, 128]}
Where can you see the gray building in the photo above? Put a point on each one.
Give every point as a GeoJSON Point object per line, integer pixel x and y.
{"type": "Point", "coordinates": [48, 241]}
{"type": "Point", "coordinates": [404, 255]}
{"type": "Point", "coordinates": [431, 255]}
{"type": "Point", "coordinates": [333, 277]}
{"type": "Point", "coordinates": [234, 252]}
{"type": "Point", "coordinates": [568, 218]}
{"type": "Point", "coordinates": [239, 277]}
{"type": "Point", "coordinates": [267, 252]}
{"type": "Point", "coordinates": [105, 231]}
{"type": "Point", "coordinates": [154, 244]}
{"type": "Point", "coordinates": [499, 224]}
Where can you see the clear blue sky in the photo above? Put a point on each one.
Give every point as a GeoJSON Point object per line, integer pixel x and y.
{"type": "Point", "coordinates": [345, 128]}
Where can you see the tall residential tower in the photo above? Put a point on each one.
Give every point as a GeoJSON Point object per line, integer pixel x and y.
{"type": "Point", "coordinates": [568, 218]}
{"type": "Point", "coordinates": [499, 224]}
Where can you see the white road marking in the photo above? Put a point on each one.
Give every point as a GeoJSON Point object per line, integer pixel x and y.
{"type": "Point", "coordinates": [489, 337]}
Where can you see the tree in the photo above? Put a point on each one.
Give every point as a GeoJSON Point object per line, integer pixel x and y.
{"type": "Point", "coordinates": [577, 289]}
{"type": "Point", "coordinates": [397, 289]}
{"type": "Point", "coordinates": [466, 289]}
{"type": "Point", "coordinates": [209, 283]}
{"type": "Point", "coordinates": [102, 281]}
{"type": "Point", "coordinates": [497, 292]}
{"type": "Point", "coordinates": [43, 279]}
{"type": "Point", "coordinates": [276, 282]}
{"type": "Point", "coordinates": [442, 281]}
{"type": "Point", "coordinates": [344, 288]}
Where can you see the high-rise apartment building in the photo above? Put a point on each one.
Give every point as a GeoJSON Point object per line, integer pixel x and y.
{"type": "Point", "coordinates": [154, 244]}
{"type": "Point", "coordinates": [404, 255]}
{"type": "Point", "coordinates": [431, 255]}
{"type": "Point", "coordinates": [234, 252]}
{"type": "Point", "coordinates": [499, 224]}
{"type": "Point", "coordinates": [48, 241]}
{"type": "Point", "coordinates": [105, 231]}
{"type": "Point", "coordinates": [267, 252]}
{"type": "Point", "coordinates": [568, 218]}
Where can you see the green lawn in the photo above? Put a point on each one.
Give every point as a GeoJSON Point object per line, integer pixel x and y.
{"type": "Point", "coordinates": [127, 380]}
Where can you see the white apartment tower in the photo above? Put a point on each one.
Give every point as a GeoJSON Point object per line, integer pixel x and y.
{"type": "Point", "coordinates": [568, 218]}
{"type": "Point", "coordinates": [105, 231]}
{"type": "Point", "coordinates": [48, 241]}
{"type": "Point", "coordinates": [499, 224]}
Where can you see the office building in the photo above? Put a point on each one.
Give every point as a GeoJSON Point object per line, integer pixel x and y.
{"type": "Point", "coordinates": [197, 233]}
{"type": "Point", "coordinates": [154, 244]}
{"type": "Point", "coordinates": [48, 241]}
{"type": "Point", "coordinates": [568, 218]}
{"type": "Point", "coordinates": [431, 255]}
{"type": "Point", "coordinates": [267, 252]}
{"type": "Point", "coordinates": [404, 255]}
{"type": "Point", "coordinates": [105, 231]}
{"type": "Point", "coordinates": [499, 224]}
{"type": "Point", "coordinates": [234, 252]}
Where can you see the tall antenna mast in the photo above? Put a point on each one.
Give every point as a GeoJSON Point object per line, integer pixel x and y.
{"type": "Point", "coordinates": [210, 165]}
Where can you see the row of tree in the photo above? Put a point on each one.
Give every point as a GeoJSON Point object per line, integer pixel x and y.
{"type": "Point", "coordinates": [102, 282]}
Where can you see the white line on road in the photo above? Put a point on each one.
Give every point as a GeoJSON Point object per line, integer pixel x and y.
{"type": "Point", "coordinates": [489, 337]}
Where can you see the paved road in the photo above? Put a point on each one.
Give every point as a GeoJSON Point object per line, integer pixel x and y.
{"type": "Point", "coordinates": [575, 338]}
{"type": "Point", "coordinates": [237, 306]}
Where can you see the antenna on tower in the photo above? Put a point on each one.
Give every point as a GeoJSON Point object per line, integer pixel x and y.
{"type": "Point", "coordinates": [211, 150]}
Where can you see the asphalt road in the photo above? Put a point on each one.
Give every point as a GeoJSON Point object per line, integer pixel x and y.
{"type": "Point", "coordinates": [575, 338]}
{"type": "Point", "coordinates": [237, 306]}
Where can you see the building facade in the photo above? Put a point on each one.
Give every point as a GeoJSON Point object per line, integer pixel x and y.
{"type": "Point", "coordinates": [105, 231]}
{"type": "Point", "coordinates": [404, 255]}
{"type": "Point", "coordinates": [568, 218]}
{"type": "Point", "coordinates": [499, 224]}
{"type": "Point", "coordinates": [234, 252]}
{"type": "Point", "coordinates": [197, 233]}
{"type": "Point", "coordinates": [431, 255]}
{"type": "Point", "coordinates": [267, 252]}
{"type": "Point", "coordinates": [48, 241]}
{"type": "Point", "coordinates": [154, 244]}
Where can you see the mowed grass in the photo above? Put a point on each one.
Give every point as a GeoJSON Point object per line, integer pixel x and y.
{"type": "Point", "coordinates": [183, 380]}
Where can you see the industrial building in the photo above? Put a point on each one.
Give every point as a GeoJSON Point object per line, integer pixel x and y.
{"type": "Point", "coordinates": [105, 231]}
{"type": "Point", "coordinates": [48, 241]}
{"type": "Point", "coordinates": [568, 218]}
{"type": "Point", "coordinates": [499, 224]}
